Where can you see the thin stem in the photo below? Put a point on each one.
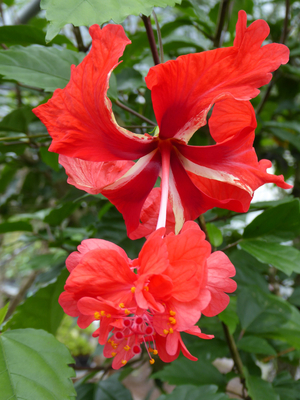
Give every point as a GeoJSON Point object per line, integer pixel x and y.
{"type": "Point", "coordinates": [161, 49]}
{"type": "Point", "coordinates": [281, 353]}
{"type": "Point", "coordinates": [235, 356]}
{"type": "Point", "coordinates": [131, 111]}
{"type": "Point", "coordinates": [222, 15]}
{"type": "Point", "coordinates": [283, 38]}
{"type": "Point", "coordinates": [202, 224]}
{"type": "Point", "coordinates": [231, 245]}
{"type": "Point", "coordinates": [9, 138]}
{"type": "Point", "coordinates": [151, 39]}
{"type": "Point", "coordinates": [165, 168]}
{"type": "Point", "coordinates": [78, 37]}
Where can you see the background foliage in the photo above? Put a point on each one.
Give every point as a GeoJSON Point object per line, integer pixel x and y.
{"type": "Point", "coordinates": [43, 219]}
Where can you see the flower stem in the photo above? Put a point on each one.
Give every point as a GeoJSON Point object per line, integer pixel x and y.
{"type": "Point", "coordinates": [165, 168]}
{"type": "Point", "coordinates": [151, 38]}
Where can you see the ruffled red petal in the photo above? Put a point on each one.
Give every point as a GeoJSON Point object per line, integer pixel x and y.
{"type": "Point", "coordinates": [79, 117]}
{"type": "Point", "coordinates": [183, 90]}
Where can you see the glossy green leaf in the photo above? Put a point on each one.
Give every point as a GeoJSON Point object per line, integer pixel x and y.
{"type": "Point", "coordinates": [260, 312]}
{"type": "Point", "coordinates": [295, 297]}
{"type": "Point", "coordinates": [25, 35]}
{"type": "Point", "coordinates": [18, 226]}
{"type": "Point", "coordinates": [259, 389]}
{"type": "Point", "coordinates": [190, 392]}
{"type": "Point", "coordinates": [49, 158]}
{"type": "Point", "coordinates": [214, 234]}
{"type": "Point", "coordinates": [129, 79]}
{"type": "Point", "coordinates": [286, 131]}
{"type": "Point", "coordinates": [229, 315]}
{"type": "Point", "coordinates": [3, 312]}
{"type": "Point", "coordinates": [255, 345]}
{"type": "Point", "coordinates": [279, 223]}
{"type": "Point", "coordinates": [183, 371]}
{"type": "Point", "coordinates": [17, 120]}
{"type": "Point", "coordinates": [285, 258]}
{"type": "Point", "coordinates": [43, 67]}
{"type": "Point", "coordinates": [41, 310]}
{"type": "Point", "coordinates": [57, 215]}
{"type": "Point", "coordinates": [89, 12]}
{"type": "Point", "coordinates": [34, 365]}
{"type": "Point", "coordinates": [286, 387]}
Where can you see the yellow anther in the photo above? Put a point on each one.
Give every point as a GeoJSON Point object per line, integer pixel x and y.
{"type": "Point", "coordinates": [150, 350]}
{"type": "Point", "coordinates": [113, 353]}
{"type": "Point", "coordinates": [126, 348]}
{"type": "Point", "coordinates": [172, 320]}
{"type": "Point", "coordinates": [121, 305]}
{"type": "Point", "coordinates": [151, 361]}
{"type": "Point", "coordinates": [108, 316]}
{"type": "Point", "coordinates": [97, 315]}
{"type": "Point", "coordinates": [133, 289]}
{"type": "Point", "coordinates": [124, 362]}
{"type": "Point", "coordinates": [155, 352]}
{"type": "Point", "coordinates": [114, 346]}
{"type": "Point", "coordinates": [127, 311]}
{"type": "Point", "coordinates": [146, 288]}
{"type": "Point", "coordinates": [171, 330]}
{"type": "Point", "coordinates": [172, 313]}
{"type": "Point", "coordinates": [102, 313]}
{"type": "Point", "coordinates": [166, 331]}
{"type": "Point", "coordinates": [109, 341]}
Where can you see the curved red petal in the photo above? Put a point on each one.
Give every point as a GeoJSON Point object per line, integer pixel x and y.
{"type": "Point", "coordinates": [130, 192]}
{"type": "Point", "coordinates": [92, 176]}
{"type": "Point", "coordinates": [229, 117]}
{"type": "Point", "coordinates": [183, 90]}
{"type": "Point", "coordinates": [220, 269]}
{"type": "Point", "coordinates": [79, 117]}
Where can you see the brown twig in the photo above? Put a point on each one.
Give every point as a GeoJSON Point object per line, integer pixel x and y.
{"type": "Point", "coordinates": [221, 20]}
{"type": "Point", "coordinates": [283, 38]}
{"type": "Point", "coordinates": [151, 39]}
{"type": "Point", "coordinates": [78, 37]}
{"type": "Point", "coordinates": [236, 358]}
{"type": "Point", "coordinates": [19, 297]}
{"type": "Point", "coordinates": [9, 138]}
{"type": "Point", "coordinates": [161, 49]}
{"type": "Point", "coordinates": [281, 353]}
{"type": "Point", "coordinates": [131, 111]}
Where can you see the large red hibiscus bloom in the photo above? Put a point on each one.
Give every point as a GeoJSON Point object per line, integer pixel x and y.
{"type": "Point", "coordinates": [193, 179]}
{"type": "Point", "coordinates": [150, 299]}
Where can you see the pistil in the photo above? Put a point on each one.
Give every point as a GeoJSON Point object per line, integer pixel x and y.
{"type": "Point", "coordinates": [165, 172]}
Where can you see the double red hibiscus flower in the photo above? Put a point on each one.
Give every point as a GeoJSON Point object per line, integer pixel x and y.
{"type": "Point", "coordinates": [162, 293]}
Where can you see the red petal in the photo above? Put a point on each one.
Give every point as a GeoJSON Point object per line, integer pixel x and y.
{"type": "Point", "coordinates": [183, 90]}
{"type": "Point", "coordinates": [220, 269]}
{"type": "Point", "coordinates": [153, 258]}
{"type": "Point", "coordinates": [229, 117]}
{"type": "Point", "coordinates": [91, 244]}
{"type": "Point", "coordinates": [92, 176]}
{"type": "Point", "coordinates": [129, 193]}
{"type": "Point", "coordinates": [149, 216]}
{"type": "Point", "coordinates": [160, 342]}
{"type": "Point", "coordinates": [79, 118]}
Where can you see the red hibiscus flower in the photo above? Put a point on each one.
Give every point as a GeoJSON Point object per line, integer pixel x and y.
{"type": "Point", "coordinates": [193, 179]}
{"type": "Point", "coordinates": [150, 299]}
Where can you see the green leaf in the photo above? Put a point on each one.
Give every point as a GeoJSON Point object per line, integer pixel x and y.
{"type": "Point", "coordinates": [112, 92]}
{"type": "Point", "coordinates": [255, 345]}
{"type": "Point", "coordinates": [259, 389]}
{"type": "Point", "coordinates": [17, 120]}
{"type": "Point", "coordinates": [34, 365]}
{"type": "Point", "coordinates": [49, 158]}
{"type": "Point", "coordinates": [3, 312]}
{"type": "Point", "coordinates": [286, 387]}
{"type": "Point", "coordinates": [286, 131]}
{"type": "Point", "coordinates": [57, 215]}
{"type": "Point", "coordinates": [129, 79]}
{"type": "Point", "coordinates": [285, 258]}
{"type": "Point", "coordinates": [41, 310]}
{"type": "Point", "coordinates": [190, 392]}
{"type": "Point", "coordinates": [25, 35]}
{"type": "Point", "coordinates": [18, 226]}
{"type": "Point", "coordinates": [7, 174]}
{"type": "Point", "coordinates": [47, 260]}
{"type": "Point", "coordinates": [279, 223]}
{"type": "Point", "coordinates": [214, 234]}
{"type": "Point", "coordinates": [112, 389]}
{"type": "Point", "coordinates": [260, 312]}
{"type": "Point", "coordinates": [43, 67]}
{"type": "Point", "coordinates": [229, 315]}
{"type": "Point", "coordinates": [88, 12]}
{"type": "Point", "coordinates": [295, 297]}
{"type": "Point", "coordinates": [183, 371]}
